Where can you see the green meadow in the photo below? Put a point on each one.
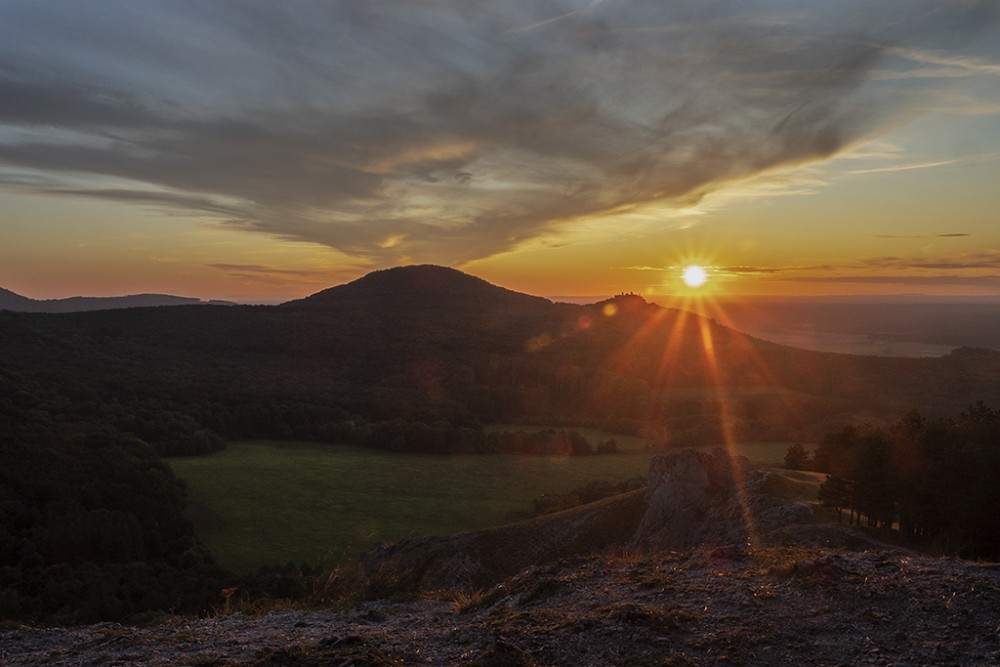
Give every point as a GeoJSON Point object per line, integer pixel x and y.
{"type": "Point", "coordinates": [274, 502]}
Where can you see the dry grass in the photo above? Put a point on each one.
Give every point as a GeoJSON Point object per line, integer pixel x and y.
{"type": "Point", "coordinates": [624, 556]}
{"type": "Point", "coordinates": [464, 602]}
{"type": "Point", "coordinates": [340, 587]}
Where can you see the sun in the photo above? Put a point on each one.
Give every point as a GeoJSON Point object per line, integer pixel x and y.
{"type": "Point", "coordinates": [694, 276]}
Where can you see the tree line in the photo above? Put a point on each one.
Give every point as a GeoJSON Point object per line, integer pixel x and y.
{"type": "Point", "coordinates": [933, 480]}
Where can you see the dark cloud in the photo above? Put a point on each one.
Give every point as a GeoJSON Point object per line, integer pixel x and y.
{"type": "Point", "coordinates": [441, 131]}
{"type": "Point", "coordinates": [29, 102]}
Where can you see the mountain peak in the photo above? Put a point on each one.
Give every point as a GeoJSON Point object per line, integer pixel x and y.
{"type": "Point", "coordinates": [419, 285]}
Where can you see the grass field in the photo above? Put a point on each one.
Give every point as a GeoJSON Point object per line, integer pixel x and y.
{"type": "Point", "coordinates": [272, 502]}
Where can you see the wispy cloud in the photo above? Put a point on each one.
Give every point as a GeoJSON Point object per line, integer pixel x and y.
{"type": "Point", "coordinates": [266, 270]}
{"type": "Point", "coordinates": [966, 261]}
{"type": "Point", "coordinates": [446, 131]}
{"type": "Point", "coordinates": [950, 64]}
{"type": "Point", "coordinates": [920, 236]}
{"type": "Point", "coordinates": [262, 273]}
{"type": "Point", "coordinates": [755, 270]}
{"type": "Point", "coordinates": [952, 280]}
{"type": "Point", "coordinates": [902, 167]}
{"type": "Point", "coordinates": [929, 164]}
{"type": "Point", "coordinates": [973, 270]}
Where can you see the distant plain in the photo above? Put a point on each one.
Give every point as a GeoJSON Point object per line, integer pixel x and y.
{"type": "Point", "coordinates": [889, 326]}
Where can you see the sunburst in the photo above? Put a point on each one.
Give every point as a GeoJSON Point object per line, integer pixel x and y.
{"type": "Point", "coordinates": [694, 276]}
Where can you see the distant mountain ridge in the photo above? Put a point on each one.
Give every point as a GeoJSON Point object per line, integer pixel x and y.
{"type": "Point", "coordinates": [77, 304]}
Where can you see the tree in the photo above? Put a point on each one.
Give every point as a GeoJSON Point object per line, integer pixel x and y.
{"type": "Point", "coordinates": [797, 458]}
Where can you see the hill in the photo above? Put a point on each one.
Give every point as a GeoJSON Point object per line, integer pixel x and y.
{"type": "Point", "coordinates": [11, 301]}
{"type": "Point", "coordinates": [422, 286]}
{"type": "Point", "coordinates": [15, 302]}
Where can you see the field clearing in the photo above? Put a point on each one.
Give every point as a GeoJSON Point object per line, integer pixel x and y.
{"type": "Point", "coordinates": [273, 502]}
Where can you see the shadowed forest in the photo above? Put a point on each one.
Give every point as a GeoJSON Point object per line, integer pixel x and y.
{"type": "Point", "coordinates": [932, 480]}
{"type": "Point", "coordinates": [418, 360]}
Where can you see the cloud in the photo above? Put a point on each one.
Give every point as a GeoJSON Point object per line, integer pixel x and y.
{"type": "Point", "coordinates": [890, 168]}
{"type": "Point", "coordinates": [244, 269]}
{"type": "Point", "coordinates": [940, 280]}
{"type": "Point", "coordinates": [978, 269]}
{"type": "Point", "coordinates": [902, 167]}
{"type": "Point", "coordinates": [921, 236]}
{"type": "Point", "coordinates": [968, 261]}
{"type": "Point", "coordinates": [755, 270]}
{"type": "Point", "coordinates": [261, 273]}
{"type": "Point", "coordinates": [948, 64]}
{"type": "Point", "coordinates": [447, 131]}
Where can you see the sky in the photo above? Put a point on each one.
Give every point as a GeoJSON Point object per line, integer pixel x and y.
{"type": "Point", "coordinates": [260, 151]}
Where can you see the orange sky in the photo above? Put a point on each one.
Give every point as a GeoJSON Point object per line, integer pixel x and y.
{"type": "Point", "coordinates": [813, 149]}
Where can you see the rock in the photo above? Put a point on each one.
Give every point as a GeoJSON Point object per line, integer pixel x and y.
{"type": "Point", "coordinates": [698, 498]}
{"type": "Point", "coordinates": [503, 654]}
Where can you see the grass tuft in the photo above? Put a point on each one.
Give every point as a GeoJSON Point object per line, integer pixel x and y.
{"type": "Point", "coordinates": [464, 603]}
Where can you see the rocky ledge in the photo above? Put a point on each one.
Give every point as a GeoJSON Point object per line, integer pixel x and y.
{"type": "Point", "coordinates": [719, 590]}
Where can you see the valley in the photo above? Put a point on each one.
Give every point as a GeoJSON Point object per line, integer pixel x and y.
{"type": "Point", "coordinates": [256, 503]}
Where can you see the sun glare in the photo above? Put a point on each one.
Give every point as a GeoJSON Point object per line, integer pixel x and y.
{"type": "Point", "coordinates": [694, 276]}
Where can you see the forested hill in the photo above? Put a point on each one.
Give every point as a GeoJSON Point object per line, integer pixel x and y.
{"type": "Point", "coordinates": [432, 345]}
{"type": "Point", "coordinates": [425, 286]}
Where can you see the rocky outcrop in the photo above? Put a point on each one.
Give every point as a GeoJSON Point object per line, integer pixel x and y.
{"type": "Point", "coordinates": [698, 498]}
